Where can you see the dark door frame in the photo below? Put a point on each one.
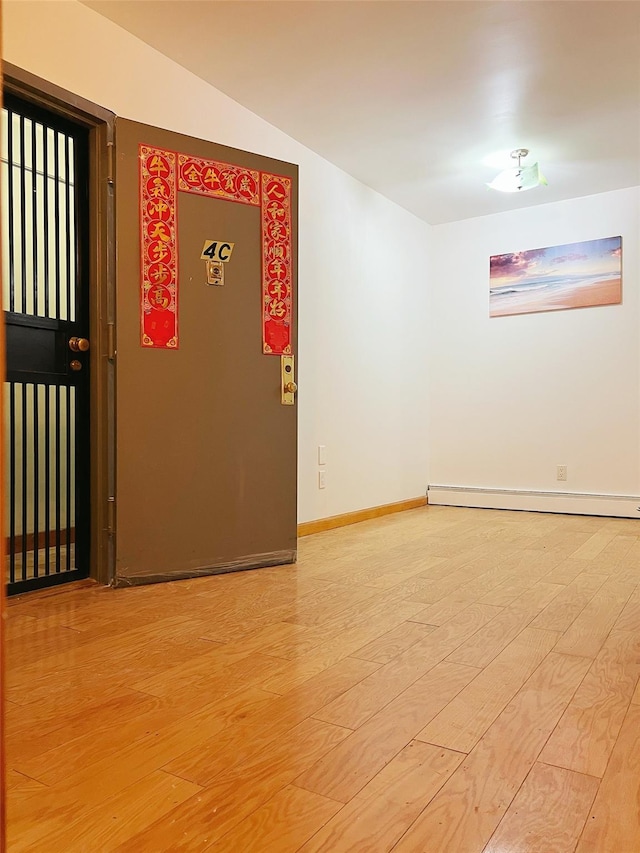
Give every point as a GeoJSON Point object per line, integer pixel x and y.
{"type": "Point", "coordinates": [100, 123]}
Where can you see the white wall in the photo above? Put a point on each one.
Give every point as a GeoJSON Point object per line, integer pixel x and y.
{"type": "Point", "coordinates": [362, 262]}
{"type": "Point", "coordinates": [509, 398]}
{"type": "Point", "coordinates": [513, 397]}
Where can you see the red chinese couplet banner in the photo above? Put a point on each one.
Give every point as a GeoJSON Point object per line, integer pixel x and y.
{"type": "Point", "coordinates": [159, 248]}
{"type": "Point", "coordinates": [218, 180]}
{"type": "Point", "coordinates": [277, 278]}
{"type": "Point", "coordinates": [162, 175]}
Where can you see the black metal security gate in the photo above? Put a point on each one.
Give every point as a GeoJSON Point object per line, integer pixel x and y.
{"type": "Point", "coordinates": [45, 234]}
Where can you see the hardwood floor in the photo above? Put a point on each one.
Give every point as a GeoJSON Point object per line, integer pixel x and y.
{"type": "Point", "coordinates": [443, 680]}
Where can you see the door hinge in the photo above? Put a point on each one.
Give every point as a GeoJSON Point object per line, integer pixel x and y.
{"type": "Point", "coordinates": [111, 514]}
{"type": "Point", "coordinates": [111, 341]}
{"type": "Point", "coordinates": [110, 163]}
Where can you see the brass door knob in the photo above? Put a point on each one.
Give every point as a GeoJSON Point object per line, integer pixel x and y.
{"type": "Point", "coordinates": [78, 344]}
{"type": "Point", "coordinates": [290, 387]}
{"type": "Point", "coordinates": [75, 364]}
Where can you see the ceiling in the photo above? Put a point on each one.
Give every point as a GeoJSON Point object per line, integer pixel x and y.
{"type": "Point", "coordinates": [423, 100]}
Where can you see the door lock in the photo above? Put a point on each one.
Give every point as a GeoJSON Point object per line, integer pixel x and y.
{"type": "Point", "coordinates": [78, 344]}
{"type": "Point", "coordinates": [289, 386]}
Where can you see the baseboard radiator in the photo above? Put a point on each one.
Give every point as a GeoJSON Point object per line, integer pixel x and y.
{"type": "Point", "coordinates": [571, 503]}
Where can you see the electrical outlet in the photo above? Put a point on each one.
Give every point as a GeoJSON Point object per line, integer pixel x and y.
{"type": "Point", "coordinates": [322, 483]}
{"type": "Point", "coordinates": [562, 472]}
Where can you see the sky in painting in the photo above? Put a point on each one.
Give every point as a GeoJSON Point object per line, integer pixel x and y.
{"type": "Point", "coordinates": [589, 260]}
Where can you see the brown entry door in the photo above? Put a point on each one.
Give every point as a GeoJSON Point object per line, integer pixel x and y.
{"type": "Point", "coordinates": [206, 450]}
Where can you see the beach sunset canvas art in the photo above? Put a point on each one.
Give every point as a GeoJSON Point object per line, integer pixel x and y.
{"type": "Point", "coordinates": [576, 275]}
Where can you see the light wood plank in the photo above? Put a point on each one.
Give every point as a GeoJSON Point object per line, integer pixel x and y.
{"type": "Point", "coordinates": [282, 824]}
{"type": "Point", "coordinates": [375, 819]}
{"type": "Point", "coordinates": [536, 598]}
{"type": "Point", "coordinates": [594, 545]}
{"type": "Point", "coordinates": [548, 813]}
{"type": "Point", "coordinates": [563, 542]}
{"type": "Point", "coordinates": [587, 633]}
{"type": "Point", "coordinates": [463, 574]}
{"type": "Point", "coordinates": [361, 702]}
{"type": "Point", "coordinates": [613, 825]}
{"type": "Point", "coordinates": [445, 609]}
{"type": "Point", "coordinates": [467, 809]}
{"type": "Point", "coordinates": [480, 649]}
{"type": "Point", "coordinates": [19, 784]}
{"type": "Point", "coordinates": [629, 619]}
{"type": "Point", "coordinates": [321, 657]}
{"type": "Point", "coordinates": [354, 762]}
{"type": "Point", "coordinates": [568, 570]}
{"type": "Point", "coordinates": [105, 827]}
{"type": "Point", "coordinates": [321, 611]}
{"type": "Point", "coordinates": [38, 645]}
{"type": "Point", "coordinates": [513, 589]}
{"type": "Point", "coordinates": [263, 727]}
{"type": "Point", "coordinates": [210, 675]}
{"type": "Point", "coordinates": [134, 655]}
{"type": "Point", "coordinates": [461, 724]}
{"type": "Point", "coordinates": [352, 622]}
{"type": "Point", "coordinates": [34, 730]}
{"type": "Point", "coordinates": [155, 715]}
{"type": "Point", "coordinates": [568, 604]}
{"type": "Point", "coordinates": [236, 793]}
{"type": "Point", "coordinates": [94, 782]}
{"type": "Point", "coordinates": [586, 735]}
{"type": "Point", "coordinates": [406, 569]}
{"type": "Point", "coordinates": [613, 558]}
{"type": "Point", "coordinates": [394, 642]}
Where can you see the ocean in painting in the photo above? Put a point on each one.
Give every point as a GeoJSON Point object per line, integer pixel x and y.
{"type": "Point", "coordinates": [576, 275]}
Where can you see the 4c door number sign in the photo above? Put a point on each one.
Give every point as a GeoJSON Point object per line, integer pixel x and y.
{"type": "Point", "coordinates": [216, 253]}
{"type": "Point", "coordinates": [216, 250]}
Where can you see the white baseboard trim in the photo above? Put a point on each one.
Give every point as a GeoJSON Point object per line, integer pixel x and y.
{"type": "Point", "coordinates": [616, 506]}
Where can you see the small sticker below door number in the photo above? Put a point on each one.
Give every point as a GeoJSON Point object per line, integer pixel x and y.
{"type": "Point", "coordinates": [215, 273]}
{"type": "Point", "coordinates": [216, 250]}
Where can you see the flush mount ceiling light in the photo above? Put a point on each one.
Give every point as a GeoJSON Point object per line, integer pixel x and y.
{"type": "Point", "coordinates": [520, 177]}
